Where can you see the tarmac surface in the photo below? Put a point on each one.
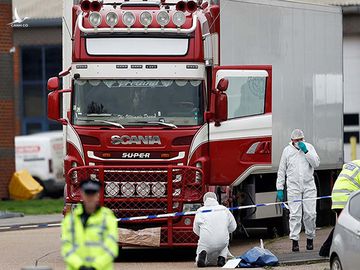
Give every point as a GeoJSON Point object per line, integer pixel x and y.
{"type": "Point", "coordinates": [20, 248]}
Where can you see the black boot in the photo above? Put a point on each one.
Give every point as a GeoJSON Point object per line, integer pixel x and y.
{"type": "Point", "coordinates": [221, 261]}
{"type": "Point", "coordinates": [309, 244]}
{"type": "Point", "coordinates": [295, 246]}
{"type": "Point", "coordinates": [202, 259]}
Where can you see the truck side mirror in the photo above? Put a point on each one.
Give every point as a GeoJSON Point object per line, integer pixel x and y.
{"type": "Point", "coordinates": [54, 112]}
{"type": "Point", "coordinates": [222, 85]}
{"type": "Point", "coordinates": [53, 84]}
{"type": "Point", "coordinates": [221, 108]}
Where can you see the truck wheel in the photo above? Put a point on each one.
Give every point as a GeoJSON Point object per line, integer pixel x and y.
{"type": "Point", "coordinates": [43, 193]}
{"type": "Point", "coordinates": [282, 227]}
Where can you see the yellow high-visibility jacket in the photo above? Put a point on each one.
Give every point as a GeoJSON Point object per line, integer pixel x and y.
{"type": "Point", "coordinates": [347, 182]}
{"type": "Point", "coordinates": [95, 245]}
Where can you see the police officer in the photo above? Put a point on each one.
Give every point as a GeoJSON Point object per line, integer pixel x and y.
{"type": "Point", "coordinates": [347, 182]}
{"type": "Point", "coordinates": [89, 234]}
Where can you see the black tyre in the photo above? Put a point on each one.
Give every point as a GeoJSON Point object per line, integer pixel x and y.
{"type": "Point", "coordinates": [335, 264]}
{"type": "Point", "coordinates": [282, 227]}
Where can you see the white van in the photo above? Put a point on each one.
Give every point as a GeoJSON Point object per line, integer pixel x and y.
{"type": "Point", "coordinates": [42, 154]}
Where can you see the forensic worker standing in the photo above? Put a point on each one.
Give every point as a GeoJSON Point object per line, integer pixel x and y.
{"type": "Point", "coordinates": [297, 165]}
{"type": "Point", "coordinates": [213, 229]}
{"type": "Point", "coordinates": [89, 234]}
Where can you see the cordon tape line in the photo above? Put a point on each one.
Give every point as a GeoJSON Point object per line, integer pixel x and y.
{"type": "Point", "coordinates": [191, 213]}
{"type": "Point", "coordinates": [169, 215]}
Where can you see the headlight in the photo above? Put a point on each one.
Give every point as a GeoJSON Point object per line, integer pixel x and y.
{"type": "Point", "coordinates": [179, 18]}
{"type": "Point", "coordinates": [112, 19]}
{"type": "Point", "coordinates": [163, 18]}
{"type": "Point", "coordinates": [128, 18]}
{"type": "Point", "coordinates": [112, 189]}
{"type": "Point", "coordinates": [127, 189]}
{"type": "Point", "coordinates": [95, 19]}
{"type": "Point", "coordinates": [143, 189]}
{"type": "Point", "coordinates": [158, 189]}
{"type": "Point", "coordinates": [146, 18]}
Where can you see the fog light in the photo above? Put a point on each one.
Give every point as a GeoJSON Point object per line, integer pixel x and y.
{"type": "Point", "coordinates": [176, 205]}
{"type": "Point", "coordinates": [198, 174]}
{"type": "Point", "coordinates": [146, 18]}
{"type": "Point", "coordinates": [178, 178]}
{"type": "Point", "coordinates": [158, 189]}
{"type": "Point", "coordinates": [187, 221]}
{"type": "Point", "coordinates": [112, 189]}
{"type": "Point", "coordinates": [112, 19]}
{"type": "Point", "coordinates": [95, 19]}
{"type": "Point", "coordinates": [177, 192]}
{"type": "Point", "coordinates": [128, 18]}
{"type": "Point", "coordinates": [74, 174]}
{"type": "Point", "coordinates": [127, 189]}
{"type": "Point", "coordinates": [191, 207]}
{"type": "Point", "coordinates": [178, 18]}
{"type": "Point", "coordinates": [163, 18]}
{"type": "Point", "coordinates": [143, 189]}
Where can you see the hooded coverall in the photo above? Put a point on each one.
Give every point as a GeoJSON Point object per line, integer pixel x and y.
{"type": "Point", "coordinates": [298, 169]}
{"type": "Point", "coordinates": [213, 229]}
{"type": "Point", "coordinates": [93, 245]}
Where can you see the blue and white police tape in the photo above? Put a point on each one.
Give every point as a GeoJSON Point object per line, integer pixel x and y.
{"type": "Point", "coordinates": [191, 213]}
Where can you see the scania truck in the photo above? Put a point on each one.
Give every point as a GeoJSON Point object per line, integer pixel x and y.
{"type": "Point", "coordinates": [163, 101]}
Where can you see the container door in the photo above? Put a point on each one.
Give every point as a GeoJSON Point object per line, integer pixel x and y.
{"type": "Point", "coordinates": [241, 144]}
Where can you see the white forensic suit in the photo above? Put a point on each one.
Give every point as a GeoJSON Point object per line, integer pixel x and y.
{"type": "Point", "coordinates": [213, 229]}
{"type": "Point", "coordinates": [298, 170]}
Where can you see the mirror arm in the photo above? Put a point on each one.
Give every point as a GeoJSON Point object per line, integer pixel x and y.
{"type": "Point", "coordinates": [64, 73]}
{"type": "Point", "coordinates": [64, 91]}
{"type": "Point", "coordinates": [63, 121]}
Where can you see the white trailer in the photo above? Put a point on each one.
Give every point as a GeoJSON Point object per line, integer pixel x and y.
{"type": "Point", "coordinates": [42, 155]}
{"type": "Point", "coordinates": [303, 43]}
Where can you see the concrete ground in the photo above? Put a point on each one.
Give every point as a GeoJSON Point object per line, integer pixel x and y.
{"type": "Point", "coordinates": [21, 248]}
{"type": "Point", "coordinates": [31, 219]}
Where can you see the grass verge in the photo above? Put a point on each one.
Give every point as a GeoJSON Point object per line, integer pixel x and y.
{"type": "Point", "coordinates": [33, 207]}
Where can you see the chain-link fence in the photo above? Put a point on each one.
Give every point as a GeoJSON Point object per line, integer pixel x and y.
{"type": "Point", "coordinates": [138, 191]}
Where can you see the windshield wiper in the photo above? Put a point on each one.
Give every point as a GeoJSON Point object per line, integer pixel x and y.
{"type": "Point", "coordinates": [103, 121]}
{"type": "Point", "coordinates": [156, 122]}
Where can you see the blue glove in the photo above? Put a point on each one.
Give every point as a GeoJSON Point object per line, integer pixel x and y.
{"type": "Point", "coordinates": [280, 195]}
{"type": "Point", "coordinates": [302, 147]}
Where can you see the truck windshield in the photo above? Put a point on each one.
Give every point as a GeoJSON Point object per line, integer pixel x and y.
{"type": "Point", "coordinates": [138, 102]}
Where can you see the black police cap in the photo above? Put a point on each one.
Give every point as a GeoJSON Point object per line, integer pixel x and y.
{"type": "Point", "coordinates": [90, 186]}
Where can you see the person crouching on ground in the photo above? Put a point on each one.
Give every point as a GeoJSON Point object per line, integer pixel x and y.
{"type": "Point", "coordinates": [89, 233]}
{"type": "Point", "coordinates": [213, 229]}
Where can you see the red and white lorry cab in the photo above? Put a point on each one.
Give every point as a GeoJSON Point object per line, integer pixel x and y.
{"type": "Point", "coordinates": [162, 101]}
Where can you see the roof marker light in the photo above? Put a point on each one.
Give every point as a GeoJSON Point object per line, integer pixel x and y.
{"type": "Point", "coordinates": [95, 5]}
{"type": "Point", "coordinates": [95, 19]}
{"type": "Point", "coordinates": [146, 18]}
{"type": "Point", "coordinates": [85, 5]}
{"type": "Point", "coordinates": [179, 18]}
{"type": "Point", "coordinates": [128, 19]}
{"type": "Point", "coordinates": [191, 6]}
{"type": "Point", "coordinates": [181, 6]}
{"type": "Point", "coordinates": [163, 18]}
{"type": "Point", "coordinates": [112, 19]}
